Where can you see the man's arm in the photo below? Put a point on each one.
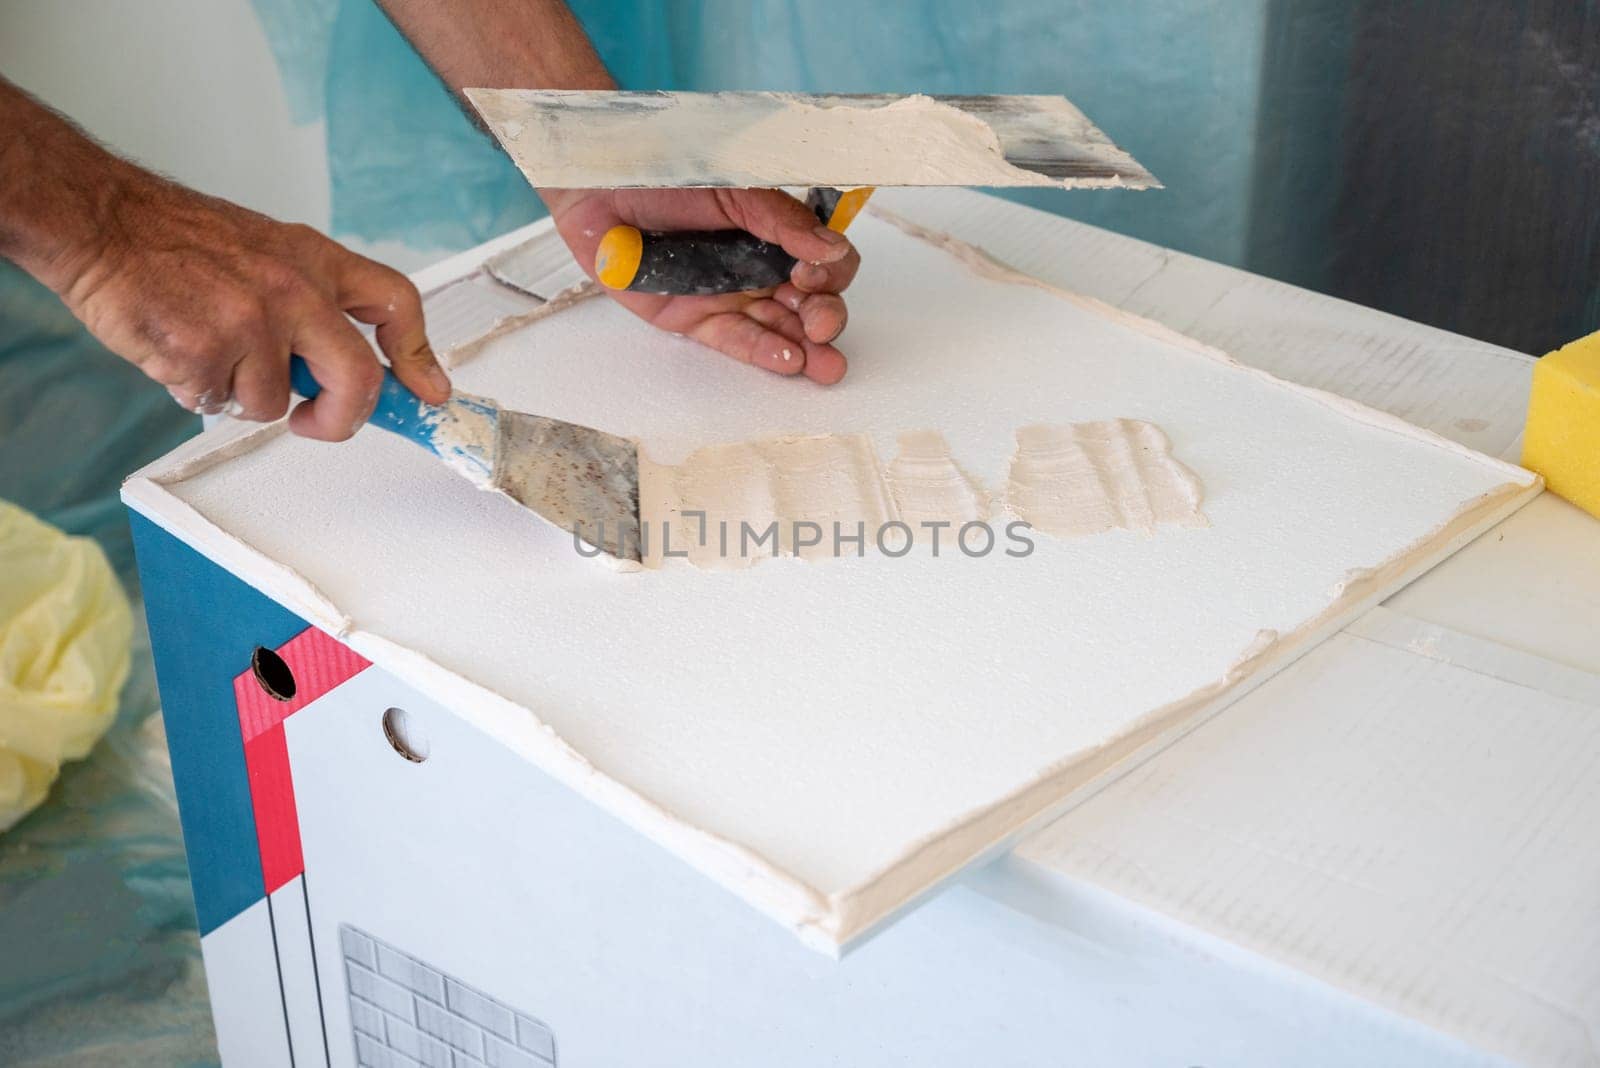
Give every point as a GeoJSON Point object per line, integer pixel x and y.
{"type": "Point", "coordinates": [538, 44]}
{"type": "Point", "coordinates": [507, 44]}
{"type": "Point", "coordinates": [205, 297]}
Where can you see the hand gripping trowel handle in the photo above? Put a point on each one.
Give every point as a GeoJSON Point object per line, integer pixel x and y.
{"type": "Point", "coordinates": [705, 262]}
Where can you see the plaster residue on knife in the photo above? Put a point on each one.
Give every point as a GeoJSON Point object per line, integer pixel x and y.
{"type": "Point", "coordinates": [671, 139]}
{"type": "Point", "coordinates": [463, 434]}
{"type": "Point", "coordinates": [583, 480]}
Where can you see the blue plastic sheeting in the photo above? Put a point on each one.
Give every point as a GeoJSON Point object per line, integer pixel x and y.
{"type": "Point", "coordinates": [75, 419]}
{"type": "Point", "coordinates": [101, 960]}
{"type": "Point", "coordinates": [404, 161]}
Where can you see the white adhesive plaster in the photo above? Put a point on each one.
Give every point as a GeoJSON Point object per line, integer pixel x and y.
{"type": "Point", "coordinates": [828, 741]}
{"type": "Point", "coordinates": [826, 495]}
{"type": "Point", "coordinates": [1087, 478]}
{"type": "Point", "coordinates": [723, 499]}
{"type": "Point", "coordinates": [928, 486]}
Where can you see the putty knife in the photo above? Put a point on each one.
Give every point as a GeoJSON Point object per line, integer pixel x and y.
{"type": "Point", "coordinates": [583, 480]}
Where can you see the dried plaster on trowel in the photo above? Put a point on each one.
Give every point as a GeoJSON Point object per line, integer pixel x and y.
{"type": "Point", "coordinates": [915, 140]}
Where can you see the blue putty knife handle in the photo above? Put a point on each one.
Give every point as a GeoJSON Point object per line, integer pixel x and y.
{"type": "Point", "coordinates": [399, 410]}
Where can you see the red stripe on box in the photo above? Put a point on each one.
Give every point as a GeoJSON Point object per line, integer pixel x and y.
{"type": "Point", "coordinates": [319, 663]}
{"type": "Point", "coordinates": [266, 761]}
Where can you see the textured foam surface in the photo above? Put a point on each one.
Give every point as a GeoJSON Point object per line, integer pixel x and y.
{"type": "Point", "coordinates": [825, 722]}
{"type": "Point", "coordinates": [1562, 439]}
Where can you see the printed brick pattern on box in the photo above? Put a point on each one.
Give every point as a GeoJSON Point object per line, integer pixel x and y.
{"type": "Point", "coordinates": [407, 1014]}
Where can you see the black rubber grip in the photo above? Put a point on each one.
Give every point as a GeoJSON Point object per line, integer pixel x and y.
{"type": "Point", "coordinates": [702, 262]}
{"type": "Point", "coordinates": [705, 262]}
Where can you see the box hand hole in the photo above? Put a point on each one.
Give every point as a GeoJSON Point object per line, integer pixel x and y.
{"type": "Point", "coordinates": [405, 735]}
{"type": "Point", "coordinates": [272, 674]}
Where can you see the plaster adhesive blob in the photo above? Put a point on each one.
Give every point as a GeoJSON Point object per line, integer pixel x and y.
{"type": "Point", "coordinates": [928, 486]}
{"type": "Point", "coordinates": [1086, 478]}
{"type": "Point", "coordinates": [728, 506]}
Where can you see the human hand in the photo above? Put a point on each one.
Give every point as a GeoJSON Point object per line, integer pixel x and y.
{"type": "Point", "coordinates": [788, 330]}
{"type": "Point", "coordinates": [209, 299]}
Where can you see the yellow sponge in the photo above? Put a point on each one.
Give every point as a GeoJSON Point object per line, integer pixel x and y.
{"type": "Point", "coordinates": [1562, 439]}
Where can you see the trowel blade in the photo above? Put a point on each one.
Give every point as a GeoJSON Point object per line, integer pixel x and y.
{"type": "Point", "coordinates": [586, 139]}
{"type": "Point", "coordinates": [583, 480]}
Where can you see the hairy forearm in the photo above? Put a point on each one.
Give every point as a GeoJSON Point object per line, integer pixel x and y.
{"type": "Point", "coordinates": [57, 190]}
{"type": "Point", "coordinates": [502, 44]}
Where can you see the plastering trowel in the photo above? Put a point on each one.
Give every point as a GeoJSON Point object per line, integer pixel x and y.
{"type": "Point", "coordinates": [602, 139]}
{"type": "Point", "coordinates": [583, 480]}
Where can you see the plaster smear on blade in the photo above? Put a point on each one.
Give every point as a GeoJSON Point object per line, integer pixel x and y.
{"type": "Point", "coordinates": [951, 146]}
{"type": "Point", "coordinates": [577, 478]}
{"type": "Point", "coordinates": [1087, 478]}
{"type": "Point", "coordinates": [465, 430]}
{"type": "Point", "coordinates": [748, 139]}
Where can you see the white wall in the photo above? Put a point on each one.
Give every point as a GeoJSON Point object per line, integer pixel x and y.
{"type": "Point", "coordinates": [187, 87]}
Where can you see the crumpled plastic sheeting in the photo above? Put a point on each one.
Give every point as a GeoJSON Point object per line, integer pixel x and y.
{"type": "Point", "coordinates": [99, 955]}
{"type": "Point", "coordinates": [64, 634]}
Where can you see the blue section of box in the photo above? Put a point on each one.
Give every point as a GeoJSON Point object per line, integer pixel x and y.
{"type": "Point", "coordinates": [204, 624]}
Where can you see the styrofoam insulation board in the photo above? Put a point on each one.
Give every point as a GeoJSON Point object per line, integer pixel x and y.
{"type": "Point", "coordinates": [831, 740]}
{"type": "Point", "coordinates": [1407, 813]}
